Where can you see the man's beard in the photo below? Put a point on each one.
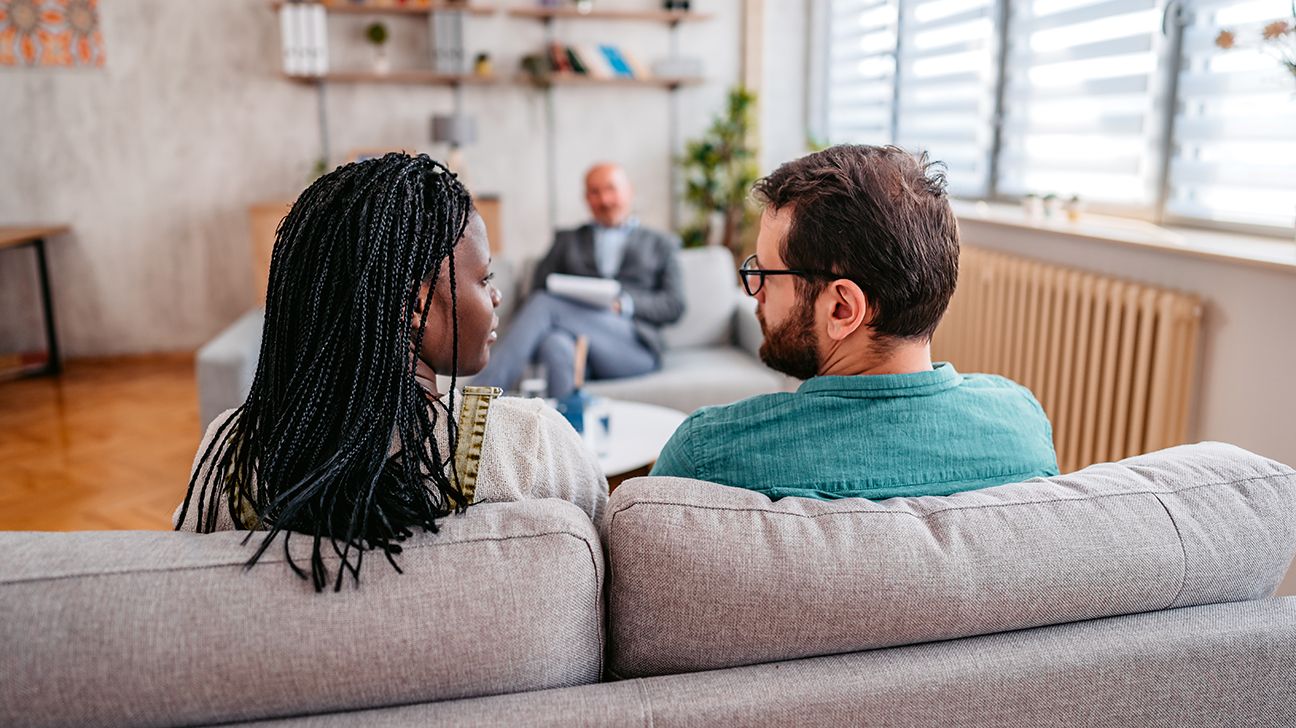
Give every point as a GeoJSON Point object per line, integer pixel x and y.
{"type": "Point", "coordinates": [791, 348]}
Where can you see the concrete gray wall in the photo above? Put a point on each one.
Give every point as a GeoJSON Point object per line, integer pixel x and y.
{"type": "Point", "coordinates": [155, 158]}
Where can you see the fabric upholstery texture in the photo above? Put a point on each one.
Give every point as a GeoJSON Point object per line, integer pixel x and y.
{"type": "Point", "coordinates": [156, 628]}
{"type": "Point", "coordinates": [1223, 664]}
{"type": "Point", "coordinates": [702, 576]}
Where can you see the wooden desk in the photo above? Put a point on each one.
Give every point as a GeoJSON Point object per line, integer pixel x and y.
{"type": "Point", "coordinates": [23, 236]}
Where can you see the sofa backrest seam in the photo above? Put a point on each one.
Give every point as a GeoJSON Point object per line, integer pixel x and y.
{"type": "Point", "coordinates": [328, 557]}
{"type": "Point", "coordinates": [954, 509]}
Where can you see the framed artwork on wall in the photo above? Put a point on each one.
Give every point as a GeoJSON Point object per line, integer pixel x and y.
{"type": "Point", "coordinates": [51, 33]}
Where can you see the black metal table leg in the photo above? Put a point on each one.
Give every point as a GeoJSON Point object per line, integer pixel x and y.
{"type": "Point", "coordinates": [54, 364]}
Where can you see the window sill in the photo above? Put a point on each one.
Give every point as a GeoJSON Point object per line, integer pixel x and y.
{"type": "Point", "coordinates": [1239, 248]}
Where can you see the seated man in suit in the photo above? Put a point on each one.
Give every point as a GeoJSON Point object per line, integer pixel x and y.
{"type": "Point", "coordinates": [624, 338]}
{"type": "Point", "coordinates": [855, 263]}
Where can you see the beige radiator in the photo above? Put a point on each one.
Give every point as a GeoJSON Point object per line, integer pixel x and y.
{"type": "Point", "coordinates": [1111, 361]}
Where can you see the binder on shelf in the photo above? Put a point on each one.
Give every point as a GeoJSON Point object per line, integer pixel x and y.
{"type": "Point", "coordinates": [286, 38]}
{"type": "Point", "coordinates": [448, 48]}
{"type": "Point", "coordinates": [301, 17]}
{"type": "Point", "coordinates": [318, 22]}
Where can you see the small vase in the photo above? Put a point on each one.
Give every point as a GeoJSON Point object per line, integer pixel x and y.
{"type": "Point", "coordinates": [715, 228]}
{"type": "Point", "coordinates": [380, 62]}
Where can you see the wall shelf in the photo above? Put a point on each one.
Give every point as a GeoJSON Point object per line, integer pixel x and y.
{"type": "Point", "coordinates": [349, 8]}
{"type": "Point", "coordinates": [671, 17]}
{"type": "Point", "coordinates": [431, 78]}
{"type": "Point", "coordinates": [419, 77]}
{"type": "Point", "coordinates": [568, 79]}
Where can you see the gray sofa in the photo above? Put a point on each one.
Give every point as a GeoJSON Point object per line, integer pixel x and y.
{"type": "Point", "coordinates": [710, 356]}
{"type": "Point", "coordinates": [1134, 593]}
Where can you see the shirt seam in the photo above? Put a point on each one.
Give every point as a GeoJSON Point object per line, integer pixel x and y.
{"type": "Point", "coordinates": [1012, 474]}
{"type": "Point", "coordinates": [691, 452]}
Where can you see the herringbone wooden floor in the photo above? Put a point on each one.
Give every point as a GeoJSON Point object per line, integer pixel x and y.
{"type": "Point", "coordinates": [106, 445]}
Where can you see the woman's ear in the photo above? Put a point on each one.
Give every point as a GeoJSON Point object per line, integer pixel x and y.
{"type": "Point", "coordinates": [848, 308]}
{"type": "Point", "coordinates": [422, 298]}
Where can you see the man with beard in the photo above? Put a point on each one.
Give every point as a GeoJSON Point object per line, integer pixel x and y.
{"type": "Point", "coordinates": [855, 263]}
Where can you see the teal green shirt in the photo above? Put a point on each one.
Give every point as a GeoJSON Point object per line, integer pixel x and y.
{"type": "Point", "coordinates": [871, 436]}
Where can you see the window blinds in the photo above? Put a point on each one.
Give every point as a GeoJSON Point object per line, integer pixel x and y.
{"type": "Point", "coordinates": [1234, 153]}
{"type": "Point", "coordinates": [1079, 100]}
{"type": "Point", "coordinates": [861, 70]}
{"type": "Point", "coordinates": [946, 87]}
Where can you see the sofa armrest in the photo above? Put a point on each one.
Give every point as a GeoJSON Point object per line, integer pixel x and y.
{"type": "Point", "coordinates": [227, 364]}
{"type": "Point", "coordinates": [747, 330]}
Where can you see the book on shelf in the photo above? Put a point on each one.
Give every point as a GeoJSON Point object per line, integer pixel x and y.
{"type": "Point", "coordinates": [594, 61]}
{"type": "Point", "coordinates": [558, 61]}
{"type": "Point", "coordinates": [577, 64]}
{"type": "Point", "coordinates": [596, 66]}
{"type": "Point", "coordinates": [637, 69]}
{"type": "Point", "coordinates": [616, 61]}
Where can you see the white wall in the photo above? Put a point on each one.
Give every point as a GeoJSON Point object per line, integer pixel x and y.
{"type": "Point", "coordinates": [784, 84]}
{"type": "Point", "coordinates": [154, 159]}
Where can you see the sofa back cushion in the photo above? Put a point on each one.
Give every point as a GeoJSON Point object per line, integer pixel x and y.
{"type": "Point", "coordinates": [704, 576]}
{"type": "Point", "coordinates": [710, 296]}
{"type": "Point", "coordinates": [157, 628]}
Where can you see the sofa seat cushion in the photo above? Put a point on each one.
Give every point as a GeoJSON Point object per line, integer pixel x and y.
{"type": "Point", "coordinates": [161, 628]}
{"type": "Point", "coordinates": [704, 576]}
{"type": "Point", "coordinates": [1214, 665]}
{"type": "Point", "coordinates": [692, 378]}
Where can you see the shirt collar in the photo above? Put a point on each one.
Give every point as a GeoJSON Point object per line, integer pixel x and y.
{"type": "Point", "coordinates": [630, 223]}
{"type": "Point", "coordinates": [941, 377]}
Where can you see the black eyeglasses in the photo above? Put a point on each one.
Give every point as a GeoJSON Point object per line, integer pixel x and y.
{"type": "Point", "coordinates": [747, 272]}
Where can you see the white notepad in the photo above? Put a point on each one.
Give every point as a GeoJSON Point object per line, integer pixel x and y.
{"type": "Point", "coordinates": [598, 292]}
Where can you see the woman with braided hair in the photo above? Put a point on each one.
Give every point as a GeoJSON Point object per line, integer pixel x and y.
{"type": "Point", "coordinates": [379, 281]}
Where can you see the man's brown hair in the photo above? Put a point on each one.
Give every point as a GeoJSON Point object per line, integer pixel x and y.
{"type": "Point", "coordinates": [875, 215]}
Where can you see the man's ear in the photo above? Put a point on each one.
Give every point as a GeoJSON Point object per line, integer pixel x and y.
{"type": "Point", "coordinates": [848, 308]}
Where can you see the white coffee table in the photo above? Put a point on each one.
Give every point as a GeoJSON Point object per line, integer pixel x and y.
{"type": "Point", "coordinates": [637, 434]}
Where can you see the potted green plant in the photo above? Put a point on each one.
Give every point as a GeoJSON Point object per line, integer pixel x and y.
{"type": "Point", "coordinates": [719, 170]}
{"type": "Point", "coordinates": [377, 35]}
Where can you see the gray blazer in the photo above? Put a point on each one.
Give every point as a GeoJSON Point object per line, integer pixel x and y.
{"type": "Point", "coordinates": [649, 274]}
